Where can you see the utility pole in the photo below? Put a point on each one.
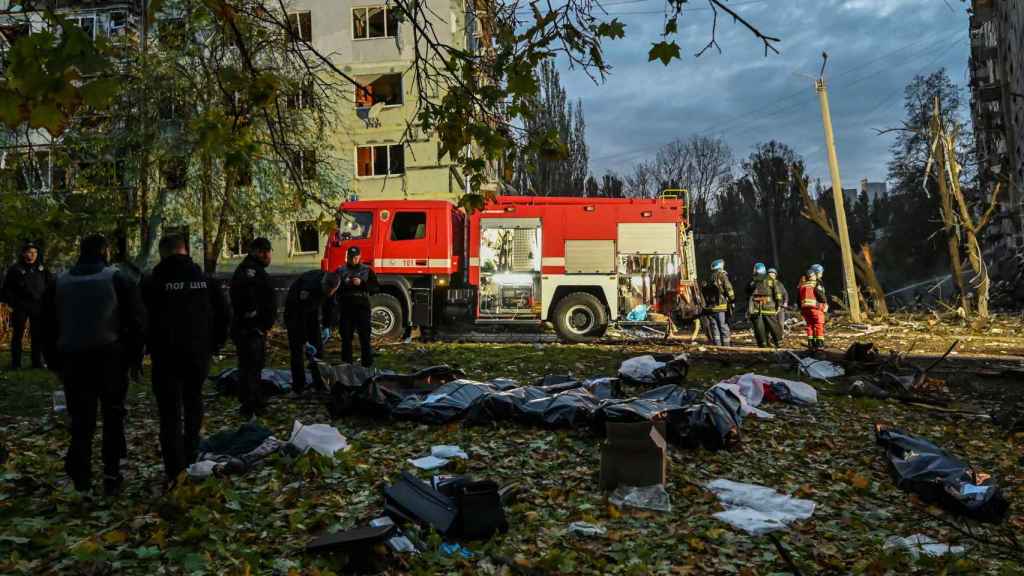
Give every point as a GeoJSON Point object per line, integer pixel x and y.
{"type": "Point", "coordinates": [850, 281]}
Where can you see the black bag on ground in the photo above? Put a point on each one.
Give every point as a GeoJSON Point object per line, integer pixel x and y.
{"type": "Point", "coordinates": [414, 499]}
{"type": "Point", "coordinates": [937, 476]}
{"type": "Point", "coordinates": [459, 508]}
{"type": "Point", "coordinates": [481, 514]}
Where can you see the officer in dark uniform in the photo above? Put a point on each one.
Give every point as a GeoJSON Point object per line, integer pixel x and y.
{"type": "Point", "coordinates": [23, 290]}
{"type": "Point", "coordinates": [765, 299]}
{"type": "Point", "coordinates": [358, 283]}
{"type": "Point", "coordinates": [254, 310]}
{"type": "Point", "coordinates": [94, 327]}
{"type": "Point", "coordinates": [309, 296]}
{"type": "Point", "coordinates": [188, 322]}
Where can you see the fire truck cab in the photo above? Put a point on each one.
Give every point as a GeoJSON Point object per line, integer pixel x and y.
{"type": "Point", "coordinates": [578, 263]}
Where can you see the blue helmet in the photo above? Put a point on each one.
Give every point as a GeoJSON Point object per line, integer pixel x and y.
{"type": "Point", "coordinates": [760, 268]}
{"type": "Point", "coordinates": [812, 270]}
{"type": "Point", "coordinates": [718, 264]}
{"type": "Point", "coordinates": [773, 271]}
{"type": "Point", "coordinates": [818, 269]}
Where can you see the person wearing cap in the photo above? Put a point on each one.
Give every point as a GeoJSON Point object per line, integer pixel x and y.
{"type": "Point", "coordinates": [718, 300]}
{"type": "Point", "coordinates": [765, 300]}
{"type": "Point", "coordinates": [23, 289]}
{"type": "Point", "coordinates": [774, 275]}
{"type": "Point", "coordinates": [310, 296]}
{"type": "Point", "coordinates": [254, 310]}
{"type": "Point", "coordinates": [358, 283]}
{"type": "Point", "coordinates": [813, 306]}
{"type": "Point", "coordinates": [188, 324]}
{"type": "Point", "coordinates": [94, 326]}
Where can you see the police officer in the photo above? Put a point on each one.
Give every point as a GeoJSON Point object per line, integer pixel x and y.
{"type": "Point", "coordinates": [309, 296]}
{"type": "Point", "coordinates": [718, 299]}
{"type": "Point", "coordinates": [189, 319]}
{"type": "Point", "coordinates": [254, 311]}
{"type": "Point", "coordinates": [94, 324]}
{"type": "Point", "coordinates": [774, 275]}
{"type": "Point", "coordinates": [358, 283]}
{"type": "Point", "coordinates": [23, 290]}
{"type": "Point", "coordinates": [765, 300]}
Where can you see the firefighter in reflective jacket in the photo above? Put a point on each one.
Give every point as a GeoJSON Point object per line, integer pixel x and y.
{"type": "Point", "coordinates": [813, 306]}
{"type": "Point", "coordinates": [358, 283]}
{"type": "Point", "coordinates": [765, 299]}
{"type": "Point", "coordinates": [718, 299]}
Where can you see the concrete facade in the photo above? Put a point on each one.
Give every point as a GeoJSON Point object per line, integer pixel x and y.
{"type": "Point", "coordinates": [997, 111]}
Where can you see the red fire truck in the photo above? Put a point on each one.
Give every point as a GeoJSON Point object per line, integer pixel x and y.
{"type": "Point", "coordinates": [578, 263]}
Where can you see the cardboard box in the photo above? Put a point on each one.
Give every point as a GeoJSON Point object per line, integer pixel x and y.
{"type": "Point", "coordinates": [633, 455]}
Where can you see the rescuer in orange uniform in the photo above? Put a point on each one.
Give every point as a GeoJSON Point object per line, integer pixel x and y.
{"type": "Point", "coordinates": [813, 306]}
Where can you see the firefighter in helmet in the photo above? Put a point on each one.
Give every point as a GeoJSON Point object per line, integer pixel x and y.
{"type": "Point", "coordinates": [358, 283]}
{"type": "Point", "coordinates": [813, 306]}
{"type": "Point", "coordinates": [774, 275]}
{"type": "Point", "coordinates": [765, 299]}
{"type": "Point", "coordinates": [718, 300]}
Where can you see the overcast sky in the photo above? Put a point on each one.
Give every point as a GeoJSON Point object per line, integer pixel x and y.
{"type": "Point", "coordinates": [875, 47]}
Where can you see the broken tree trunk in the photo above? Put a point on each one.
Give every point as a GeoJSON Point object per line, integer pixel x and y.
{"type": "Point", "coordinates": [947, 167]}
{"type": "Point", "coordinates": [949, 225]}
{"type": "Point", "coordinates": [862, 266]}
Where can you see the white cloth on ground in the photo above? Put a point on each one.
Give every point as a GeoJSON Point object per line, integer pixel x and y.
{"type": "Point", "coordinates": [758, 509]}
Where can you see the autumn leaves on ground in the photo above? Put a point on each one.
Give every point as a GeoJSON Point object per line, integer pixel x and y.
{"type": "Point", "coordinates": [259, 523]}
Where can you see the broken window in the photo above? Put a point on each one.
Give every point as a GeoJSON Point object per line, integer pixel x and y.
{"type": "Point", "coordinates": [409, 226]}
{"type": "Point", "coordinates": [383, 89]}
{"type": "Point", "coordinates": [302, 97]}
{"type": "Point", "coordinates": [374, 22]}
{"type": "Point", "coordinates": [306, 238]}
{"type": "Point", "coordinates": [300, 26]}
{"type": "Point", "coordinates": [304, 163]}
{"type": "Point", "coordinates": [86, 23]}
{"type": "Point", "coordinates": [238, 239]}
{"type": "Point", "coordinates": [385, 160]}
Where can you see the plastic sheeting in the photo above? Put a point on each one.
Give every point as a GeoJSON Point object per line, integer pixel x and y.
{"type": "Point", "coordinates": [917, 545]}
{"type": "Point", "coordinates": [655, 369]}
{"type": "Point", "coordinates": [644, 497]}
{"type": "Point", "coordinates": [274, 380]}
{"type": "Point", "coordinates": [937, 476]}
{"type": "Point", "coordinates": [820, 369]}
{"type": "Point", "coordinates": [758, 509]}
{"type": "Point", "coordinates": [321, 438]}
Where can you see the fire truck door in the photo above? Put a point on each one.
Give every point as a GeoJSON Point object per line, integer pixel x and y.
{"type": "Point", "coordinates": [405, 248]}
{"type": "Point", "coordinates": [510, 267]}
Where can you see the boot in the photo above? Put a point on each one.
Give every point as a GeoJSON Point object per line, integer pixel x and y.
{"type": "Point", "coordinates": [811, 343]}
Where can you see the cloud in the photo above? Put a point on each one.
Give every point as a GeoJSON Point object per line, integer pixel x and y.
{"type": "Point", "coordinates": [874, 47]}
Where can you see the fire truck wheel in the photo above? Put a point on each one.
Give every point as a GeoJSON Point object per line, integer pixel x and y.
{"type": "Point", "coordinates": [580, 317]}
{"type": "Point", "coordinates": [386, 319]}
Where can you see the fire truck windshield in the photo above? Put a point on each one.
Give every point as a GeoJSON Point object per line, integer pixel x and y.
{"type": "Point", "coordinates": [354, 225]}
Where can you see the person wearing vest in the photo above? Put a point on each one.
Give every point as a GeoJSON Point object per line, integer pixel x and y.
{"type": "Point", "coordinates": [774, 275]}
{"type": "Point", "coordinates": [23, 289]}
{"type": "Point", "coordinates": [254, 310]}
{"type": "Point", "coordinates": [310, 296]}
{"type": "Point", "coordinates": [718, 299]}
{"type": "Point", "coordinates": [813, 306]}
{"type": "Point", "coordinates": [358, 283]}
{"type": "Point", "coordinates": [765, 300]}
{"type": "Point", "coordinates": [94, 324]}
{"type": "Point", "coordinates": [188, 323]}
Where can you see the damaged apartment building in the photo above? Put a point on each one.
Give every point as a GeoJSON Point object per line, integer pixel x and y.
{"type": "Point", "coordinates": [997, 109]}
{"type": "Point", "coordinates": [377, 150]}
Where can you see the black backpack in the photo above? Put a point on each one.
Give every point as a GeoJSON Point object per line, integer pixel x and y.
{"type": "Point", "coordinates": [711, 291]}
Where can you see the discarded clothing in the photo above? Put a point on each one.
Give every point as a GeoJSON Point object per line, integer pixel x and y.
{"type": "Point", "coordinates": [937, 476]}
{"type": "Point", "coordinates": [756, 389]}
{"type": "Point", "coordinates": [321, 438]}
{"type": "Point", "coordinates": [245, 439]}
{"type": "Point", "coordinates": [275, 381]}
{"type": "Point", "coordinates": [918, 545]}
{"type": "Point", "coordinates": [757, 509]}
{"type": "Point", "coordinates": [214, 464]}
{"type": "Point", "coordinates": [655, 369]}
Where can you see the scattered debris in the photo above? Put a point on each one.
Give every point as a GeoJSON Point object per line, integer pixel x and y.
{"type": "Point", "coordinates": [819, 369]}
{"type": "Point", "coordinates": [655, 369]}
{"type": "Point", "coordinates": [758, 509]}
{"type": "Point", "coordinates": [643, 497]}
{"type": "Point", "coordinates": [633, 454]}
{"type": "Point", "coordinates": [457, 507]}
{"type": "Point", "coordinates": [587, 530]}
{"type": "Point", "coordinates": [937, 476]}
{"type": "Point", "coordinates": [321, 438]}
{"type": "Point", "coordinates": [918, 545]}
{"type": "Point", "coordinates": [450, 549]}
{"type": "Point", "coordinates": [275, 381]}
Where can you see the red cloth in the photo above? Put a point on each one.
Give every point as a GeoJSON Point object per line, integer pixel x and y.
{"type": "Point", "coordinates": [815, 319]}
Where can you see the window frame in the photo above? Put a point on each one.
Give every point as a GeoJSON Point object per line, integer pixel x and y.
{"type": "Point", "coordinates": [297, 29]}
{"type": "Point", "coordinates": [78, 18]}
{"type": "Point", "coordinates": [401, 92]}
{"type": "Point", "coordinates": [300, 159]}
{"type": "Point", "coordinates": [373, 161]}
{"type": "Point", "coordinates": [239, 231]}
{"type": "Point", "coordinates": [296, 244]}
{"type": "Point", "coordinates": [389, 22]}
